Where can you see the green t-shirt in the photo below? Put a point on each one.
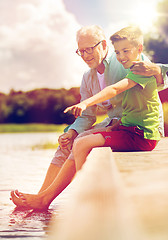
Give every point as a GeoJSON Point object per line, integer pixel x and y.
{"type": "Point", "coordinates": [141, 106]}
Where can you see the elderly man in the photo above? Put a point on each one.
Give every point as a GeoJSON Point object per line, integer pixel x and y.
{"type": "Point", "coordinates": [104, 70]}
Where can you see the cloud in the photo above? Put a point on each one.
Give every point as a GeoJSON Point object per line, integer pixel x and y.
{"type": "Point", "coordinates": [37, 47]}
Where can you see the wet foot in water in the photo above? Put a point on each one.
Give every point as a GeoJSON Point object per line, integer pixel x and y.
{"type": "Point", "coordinates": [29, 201]}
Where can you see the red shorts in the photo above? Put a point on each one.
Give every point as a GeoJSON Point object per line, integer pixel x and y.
{"type": "Point", "coordinates": [127, 139]}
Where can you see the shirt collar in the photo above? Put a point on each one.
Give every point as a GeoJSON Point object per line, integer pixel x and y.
{"type": "Point", "coordinates": [108, 56]}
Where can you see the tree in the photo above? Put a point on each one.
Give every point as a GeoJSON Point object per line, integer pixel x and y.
{"type": "Point", "coordinates": [39, 105]}
{"type": "Point", "coordinates": [156, 43]}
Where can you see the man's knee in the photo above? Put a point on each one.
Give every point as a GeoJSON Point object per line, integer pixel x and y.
{"type": "Point", "coordinates": [60, 156]}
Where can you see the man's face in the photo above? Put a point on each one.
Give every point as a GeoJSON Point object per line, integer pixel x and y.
{"type": "Point", "coordinates": [94, 59]}
{"type": "Point", "coordinates": [126, 52]}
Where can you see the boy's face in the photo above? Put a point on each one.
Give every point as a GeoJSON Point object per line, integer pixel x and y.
{"type": "Point", "coordinates": [126, 52]}
{"type": "Point", "coordinates": [94, 59]}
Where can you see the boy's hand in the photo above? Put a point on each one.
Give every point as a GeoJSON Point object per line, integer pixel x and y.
{"type": "Point", "coordinates": [115, 126]}
{"type": "Point", "coordinates": [76, 109]}
{"type": "Point", "coordinates": [111, 128]}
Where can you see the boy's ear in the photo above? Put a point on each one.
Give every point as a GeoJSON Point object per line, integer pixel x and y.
{"type": "Point", "coordinates": [140, 48]}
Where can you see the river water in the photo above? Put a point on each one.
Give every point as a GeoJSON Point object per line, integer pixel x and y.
{"type": "Point", "coordinates": [24, 169]}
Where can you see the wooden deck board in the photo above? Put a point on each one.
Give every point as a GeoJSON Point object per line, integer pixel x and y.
{"type": "Point", "coordinates": [145, 176]}
{"type": "Point", "coordinates": [118, 195]}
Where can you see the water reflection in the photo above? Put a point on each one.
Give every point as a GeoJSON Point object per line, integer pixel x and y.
{"type": "Point", "coordinates": [24, 169]}
{"type": "Point", "coordinates": [29, 223]}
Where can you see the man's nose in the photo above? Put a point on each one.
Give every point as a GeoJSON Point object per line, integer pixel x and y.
{"type": "Point", "coordinates": [85, 55]}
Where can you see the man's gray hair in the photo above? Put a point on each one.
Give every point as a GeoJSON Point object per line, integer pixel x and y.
{"type": "Point", "coordinates": [93, 30]}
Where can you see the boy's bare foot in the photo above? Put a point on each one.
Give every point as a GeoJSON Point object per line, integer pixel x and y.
{"type": "Point", "coordinates": [28, 201]}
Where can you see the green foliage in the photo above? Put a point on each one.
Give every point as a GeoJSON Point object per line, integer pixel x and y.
{"type": "Point", "coordinates": [156, 43]}
{"type": "Point", "coordinates": [158, 49]}
{"type": "Point", "coordinates": [38, 106]}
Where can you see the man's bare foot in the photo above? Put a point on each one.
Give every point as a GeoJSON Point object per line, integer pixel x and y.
{"type": "Point", "coordinates": [28, 201]}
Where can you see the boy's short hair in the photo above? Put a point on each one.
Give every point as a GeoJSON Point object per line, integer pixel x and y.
{"type": "Point", "coordinates": [131, 33]}
{"type": "Point", "coordinates": [93, 30]}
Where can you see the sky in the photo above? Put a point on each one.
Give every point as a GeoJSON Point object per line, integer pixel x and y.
{"type": "Point", "coordinates": [38, 37]}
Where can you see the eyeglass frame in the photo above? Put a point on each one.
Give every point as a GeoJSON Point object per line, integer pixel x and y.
{"type": "Point", "coordinates": [85, 50]}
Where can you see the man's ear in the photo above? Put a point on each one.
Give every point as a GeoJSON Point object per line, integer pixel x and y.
{"type": "Point", "coordinates": [140, 48]}
{"type": "Point", "coordinates": [104, 44]}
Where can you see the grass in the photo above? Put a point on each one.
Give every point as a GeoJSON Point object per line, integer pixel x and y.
{"type": "Point", "coordinates": [33, 127]}
{"type": "Point", "coordinates": [46, 145]}
{"type": "Point", "coordinates": [100, 118]}
{"type": "Point", "coordinates": [18, 128]}
{"type": "Point", "coordinates": [23, 128]}
{"type": "Point", "coordinates": [36, 127]}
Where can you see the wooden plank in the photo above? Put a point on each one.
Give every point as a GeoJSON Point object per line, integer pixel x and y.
{"type": "Point", "coordinates": [145, 175]}
{"type": "Point", "coordinates": [98, 208]}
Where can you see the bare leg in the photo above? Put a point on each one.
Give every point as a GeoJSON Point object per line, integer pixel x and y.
{"type": "Point", "coordinates": [43, 199]}
{"type": "Point", "coordinates": [82, 147]}
{"type": "Point", "coordinates": [57, 179]}
{"type": "Point", "coordinates": [52, 173]}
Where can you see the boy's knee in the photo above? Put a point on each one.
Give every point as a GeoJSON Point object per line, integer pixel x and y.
{"type": "Point", "coordinates": [77, 143]}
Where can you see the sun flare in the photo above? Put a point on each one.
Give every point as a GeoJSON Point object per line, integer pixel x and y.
{"type": "Point", "coordinates": [145, 15]}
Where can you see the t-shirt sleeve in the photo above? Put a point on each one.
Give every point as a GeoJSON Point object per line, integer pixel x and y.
{"type": "Point", "coordinates": [141, 80]}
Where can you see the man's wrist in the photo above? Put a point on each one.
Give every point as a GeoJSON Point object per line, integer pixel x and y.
{"type": "Point", "coordinates": [158, 75]}
{"type": "Point", "coordinates": [73, 132]}
{"type": "Point", "coordinates": [157, 70]}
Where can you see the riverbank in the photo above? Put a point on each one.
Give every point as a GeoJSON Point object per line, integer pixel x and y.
{"type": "Point", "coordinates": [32, 127]}
{"type": "Point", "coordinates": [38, 127]}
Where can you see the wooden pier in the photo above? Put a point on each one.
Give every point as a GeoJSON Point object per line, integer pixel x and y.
{"type": "Point", "coordinates": [118, 196]}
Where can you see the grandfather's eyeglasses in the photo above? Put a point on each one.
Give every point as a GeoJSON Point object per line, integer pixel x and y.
{"type": "Point", "coordinates": [88, 50]}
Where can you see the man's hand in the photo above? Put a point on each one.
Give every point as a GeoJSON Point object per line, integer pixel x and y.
{"type": "Point", "coordinates": [145, 68]}
{"type": "Point", "coordinates": [148, 69]}
{"type": "Point", "coordinates": [66, 139]}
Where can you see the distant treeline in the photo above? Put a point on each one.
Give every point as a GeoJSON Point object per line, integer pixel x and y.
{"type": "Point", "coordinates": [47, 106]}
{"type": "Point", "coordinates": [38, 106]}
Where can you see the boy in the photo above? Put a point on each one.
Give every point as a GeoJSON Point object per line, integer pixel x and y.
{"type": "Point", "coordinates": [137, 130]}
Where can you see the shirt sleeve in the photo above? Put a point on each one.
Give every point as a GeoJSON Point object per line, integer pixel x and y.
{"type": "Point", "coordinates": [141, 80]}
{"type": "Point", "coordinates": [88, 117]}
{"type": "Point", "coordinates": [164, 68]}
